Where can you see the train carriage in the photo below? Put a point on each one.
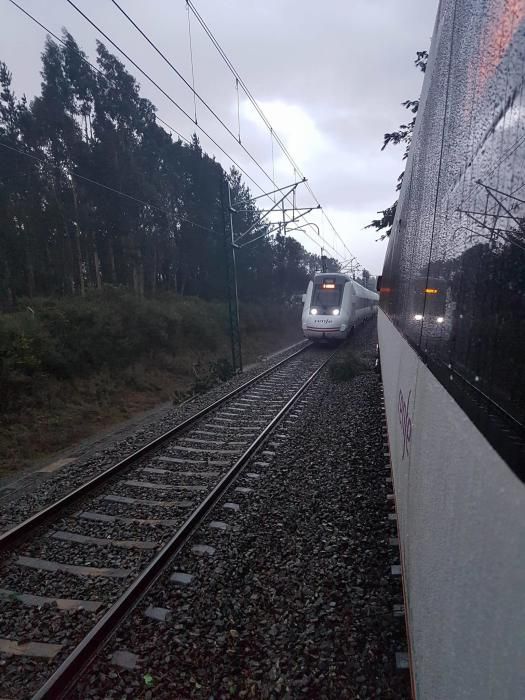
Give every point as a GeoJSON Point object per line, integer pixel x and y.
{"type": "Point", "coordinates": [451, 329]}
{"type": "Point", "coordinates": [334, 305]}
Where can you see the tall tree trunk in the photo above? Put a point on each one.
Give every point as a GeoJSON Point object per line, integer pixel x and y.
{"type": "Point", "coordinates": [51, 266]}
{"type": "Point", "coordinates": [137, 267]}
{"type": "Point", "coordinates": [112, 267]}
{"type": "Point", "coordinates": [30, 276]}
{"type": "Point", "coordinates": [7, 284]}
{"type": "Point", "coordinates": [29, 262]}
{"type": "Point", "coordinates": [138, 277]}
{"type": "Point", "coordinates": [69, 278]}
{"type": "Point", "coordinates": [68, 281]}
{"type": "Point", "coordinates": [96, 261]}
{"type": "Point", "coordinates": [98, 273]}
{"type": "Point", "coordinates": [78, 244]}
{"type": "Point", "coordinates": [141, 277]}
{"type": "Point", "coordinates": [154, 271]}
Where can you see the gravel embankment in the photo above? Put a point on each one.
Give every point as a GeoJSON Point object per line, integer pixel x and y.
{"type": "Point", "coordinates": [296, 598]}
{"type": "Point", "coordinates": [99, 550]}
{"type": "Point", "coordinates": [21, 497]}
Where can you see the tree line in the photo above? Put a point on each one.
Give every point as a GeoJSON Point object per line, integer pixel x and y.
{"type": "Point", "coordinates": [64, 228]}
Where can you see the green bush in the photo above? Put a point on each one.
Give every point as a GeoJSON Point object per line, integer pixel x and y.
{"type": "Point", "coordinates": [68, 338]}
{"type": "Point", "coordinates": [68, 365]}
{"type": "Point", "coordinates": [72, 338]}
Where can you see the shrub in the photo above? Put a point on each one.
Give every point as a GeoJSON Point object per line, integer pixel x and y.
{"type": "Point", "coordinates": [70, 338]}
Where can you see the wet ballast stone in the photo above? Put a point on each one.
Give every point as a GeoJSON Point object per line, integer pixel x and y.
{"type": "Point", "coordinates": [297, 600]}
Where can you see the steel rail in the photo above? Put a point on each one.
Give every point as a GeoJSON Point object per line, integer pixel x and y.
{"type": "Point", "coordinates": [74, 665]}
{"type": "Point", "coordinates": [9, 538]}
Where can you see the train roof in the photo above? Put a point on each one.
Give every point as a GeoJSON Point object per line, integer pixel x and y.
{"type": "Point", "coordinates": [340, 278]}
{"type": "Point", "coordinates": [364, 292]}
{"type": "Point", "coordinates": [337, 276]}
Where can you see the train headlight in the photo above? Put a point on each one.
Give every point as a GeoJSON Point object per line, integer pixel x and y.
{"type": "Point", "coordinates": [313, 312]}
{"type": "Point", "coordinates": [418, 317]}
{"type": "Point", "coordinates": [440, 319]}
{"type": "Point", "coordinates": [335, 312]}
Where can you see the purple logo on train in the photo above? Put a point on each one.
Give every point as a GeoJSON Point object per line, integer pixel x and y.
{"type": "Point", "coordinates": [405, 422]}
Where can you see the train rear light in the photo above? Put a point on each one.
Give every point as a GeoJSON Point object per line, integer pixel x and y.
{"type": "Point", "coordinates": [313, 312]}
{"type": "Point", "coordinates": [335, 312]}
{"type": "Point", "coordinates": [418, 317]}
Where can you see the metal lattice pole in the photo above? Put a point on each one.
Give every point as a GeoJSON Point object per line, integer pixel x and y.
{"type": "Point", "coordinates": [231, 280]}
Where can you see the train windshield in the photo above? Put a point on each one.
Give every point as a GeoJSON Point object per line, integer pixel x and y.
{"type": "Point", "coordinates": [327, 297]}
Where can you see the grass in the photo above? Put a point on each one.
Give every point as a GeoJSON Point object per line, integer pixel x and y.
{"type": "Point", "coordinates": [69, 368]}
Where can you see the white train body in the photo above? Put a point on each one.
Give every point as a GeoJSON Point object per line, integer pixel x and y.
{"type": "Point", "coordinates": [452, 336]}
{"type": "Point", "coordinates": [334, 305]}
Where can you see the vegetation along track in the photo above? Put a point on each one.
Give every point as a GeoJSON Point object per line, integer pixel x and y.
{"type": "Point", "coordinates": [73, 571]}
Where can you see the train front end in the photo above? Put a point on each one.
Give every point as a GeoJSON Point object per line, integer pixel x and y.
{"type": "Point", "coordinates": [326, 312]}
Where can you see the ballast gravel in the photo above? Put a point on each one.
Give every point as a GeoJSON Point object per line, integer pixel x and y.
{"type": "Point", "coordinates": [295, 597]}
{"type": "Point", "coordinates": [101, 570]}
{"type": "Point", "coordinates": [20, 498]}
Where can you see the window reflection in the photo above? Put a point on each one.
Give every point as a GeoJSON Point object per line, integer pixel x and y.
{"type": "Point", "coordinates": [454, 276]}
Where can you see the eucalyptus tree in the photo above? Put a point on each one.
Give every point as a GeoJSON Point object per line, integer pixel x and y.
{"type": "Point", "coordinates": [95, 192]}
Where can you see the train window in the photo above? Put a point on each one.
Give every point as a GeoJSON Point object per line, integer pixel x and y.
{"type": "Point", "coordinates": [326, 298]}
{"type": "Point", "coordinates": [454, 275]}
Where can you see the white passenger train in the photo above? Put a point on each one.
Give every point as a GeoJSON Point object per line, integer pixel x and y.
{"type": "Point", "coordinates": [334, 304]}
{"type": "Point", "coordinates": [451, 328]}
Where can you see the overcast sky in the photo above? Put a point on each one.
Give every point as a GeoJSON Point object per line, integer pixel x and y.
{"type": "Point", "coordinates": [330, 77]}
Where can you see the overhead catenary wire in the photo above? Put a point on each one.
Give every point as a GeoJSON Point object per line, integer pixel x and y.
{"type": "Point", "coordinates": [179, 74]}
{"type": "Point", "coordinates": [260, 112]}
{"type": "Point", "coordinates": [196, 94]}
{"type": "Point", "coordinates": [238, 110]}
{"type": "Point", "coordinates": [79, 176]}
{"type": "Point", "coordinates": [92, 65]}
{"type": "Point", "coordinates": [265, 120]}
{"type": "Point", "coordinates": [96, 69]}
{"type": "Point", "coordinates": [167, 95]}
{"type": "Point", "coordinates": [191, 61]}
{"type": "Point", "coordinates": [125, 195]}
{"type": "Point", "coordinates": [205, 103]}
{"type": "Point", "coordinates": [273, 160]}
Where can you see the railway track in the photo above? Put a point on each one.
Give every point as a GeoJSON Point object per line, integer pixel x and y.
{"type": "Point", "coordinates": [75, 570]}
